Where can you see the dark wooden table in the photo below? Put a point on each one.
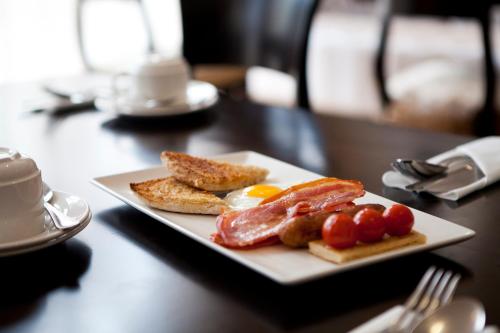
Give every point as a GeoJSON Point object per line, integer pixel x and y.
{"type": "Point", "coordinates": [128, 273]}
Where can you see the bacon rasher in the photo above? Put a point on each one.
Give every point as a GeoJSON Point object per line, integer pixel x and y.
{"type": "Point", "coordinates": [260, 225]}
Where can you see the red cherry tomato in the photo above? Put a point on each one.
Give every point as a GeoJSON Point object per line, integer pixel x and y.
{"type": "Point", "coordinates": [339, 231]}
{"type": "Point", "coordinates": [370, 225]}
{"type": "Point", "coordinates": [399, 220]}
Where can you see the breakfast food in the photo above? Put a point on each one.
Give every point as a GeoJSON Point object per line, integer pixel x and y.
{"type": "Point", "coordinates": [319, 214]}
{"type": "Point", "coordinates": [186, 191]}
{"type": "Point", "coordinates": [399, 220]}
{"type": "Point", "coordinates": [172, 195]}
{"type": "Point", "coordinates": [240, 229]}
{"type": "Point", "coordinates": [211, 175]}
{"type": "Point", "coordinates": [339, 256]}
{"type": "Point", "coordinates": [298, 231]}
{"type": "Point", "coordinates": [250, 196]}
{"type": "Point", "coordinates": [346, 238]}
{"type": "Point", "coordinates": [370, 225]}
{"type": "Point", "coordinates": [339, 231]}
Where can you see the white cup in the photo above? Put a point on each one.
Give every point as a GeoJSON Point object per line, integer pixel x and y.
{"type": "Point", "coordinates": [21, 197]}
{"type": "Point", "coordinates": [157, 78]}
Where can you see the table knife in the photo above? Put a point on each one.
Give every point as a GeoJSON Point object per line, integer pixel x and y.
{"type": "Point", "coordinates": [65, 107]}
{"type": "Point", "coordinates": [461, 176]}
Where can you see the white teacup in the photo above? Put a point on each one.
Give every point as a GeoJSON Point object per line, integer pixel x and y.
{"type": "Point", "coordinates": [21, 197]}
{"type": "Point", "coordinates": [157, 78]}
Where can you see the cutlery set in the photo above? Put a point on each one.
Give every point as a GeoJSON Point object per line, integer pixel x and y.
{"type": "Point", "coordinates": [66, 102]}
{"type": "Point", "coordinates": [430, 308]}
{"type": "Point", "coordinates": [449, 174]}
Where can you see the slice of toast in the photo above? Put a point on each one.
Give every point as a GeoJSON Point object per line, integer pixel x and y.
{"type": "Point", "coordinates": [211, 175]}
{"type": "Point", "coordinates": [173, 196]}
{"type": "Point", "coordinates": [320, 249]}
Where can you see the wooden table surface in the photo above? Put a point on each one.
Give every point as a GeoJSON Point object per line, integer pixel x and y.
{"type": "Point", "coordinates": [127, 272]}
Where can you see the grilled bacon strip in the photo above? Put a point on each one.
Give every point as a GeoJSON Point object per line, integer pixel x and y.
{"type": "Point", "coordinates": [254, 226]}
{"type": "Point", "coordinates": [297, 231]}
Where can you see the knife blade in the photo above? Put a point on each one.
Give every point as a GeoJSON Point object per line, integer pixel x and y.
{"type": "Point", "coordinates": [460, 176]}
{"type": "Point", "coordinates": [65, 107]}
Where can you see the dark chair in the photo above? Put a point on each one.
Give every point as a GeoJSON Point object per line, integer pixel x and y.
{"type": "Point", "coordinates": [267, 33]}
{"type": "Point", "coordinates": [485, 122]}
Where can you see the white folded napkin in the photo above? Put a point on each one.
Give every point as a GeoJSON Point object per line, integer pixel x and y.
{"type": "Point", "coordinates": [486, 154]}
{"type": "Point", "coordinates": [383, 321]}
{"type": "Point", "coordinates": [380, 322]}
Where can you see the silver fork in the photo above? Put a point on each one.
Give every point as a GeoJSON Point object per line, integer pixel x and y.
{"type": "Point", "coordinates": [435, 289]}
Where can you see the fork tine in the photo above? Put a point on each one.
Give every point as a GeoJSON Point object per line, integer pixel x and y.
{"type": "Point", "coordinates": [412, 301]}
{"type": "Point", "coordinates": [414, 297]}
{"type": "Point", "coordinates": [424, 303]}
{"type": "Point", "coordinates": [426, 298]}
{"type": "Point", "coordinates": [436, 288]}
{"type": "Point", "coordinates": [436, 299]}
{"type": "Point", "coordinates": [431, 297]}
{"type": "Point", "coordinates": [450, 290]}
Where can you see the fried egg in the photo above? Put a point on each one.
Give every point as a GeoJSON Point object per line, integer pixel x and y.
{"type": "Point", "coordinates": [250, 196]}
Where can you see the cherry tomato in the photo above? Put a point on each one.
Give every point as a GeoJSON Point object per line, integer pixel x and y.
{"type": "Point", "coordinates": [370, 225]}
{"type": "Point", "coordinates": [399, 220]}
{"type": "Point", "coordinates": [339, 231]}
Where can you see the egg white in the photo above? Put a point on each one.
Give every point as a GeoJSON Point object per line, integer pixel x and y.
{"type": "Point", "coordinates": [239, 200]}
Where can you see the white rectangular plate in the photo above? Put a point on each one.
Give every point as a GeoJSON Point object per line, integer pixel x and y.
{"type": "Point", "coordinates": [280, 263]}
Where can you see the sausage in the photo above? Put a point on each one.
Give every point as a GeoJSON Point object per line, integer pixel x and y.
{"type": "Point", "coordinates": [299, 230]}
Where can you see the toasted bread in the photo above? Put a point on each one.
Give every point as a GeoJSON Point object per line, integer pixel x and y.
{"type": "Point", "coordinates": [171, 195]}
{"type": "Point", "coordinates": [320, 249]}
{"type": "Point", "coordinates": [211, 175]}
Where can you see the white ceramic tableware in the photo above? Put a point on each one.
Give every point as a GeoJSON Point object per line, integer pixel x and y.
{"type": "Point", "coordinates": [464, 315]}
{"type": "Point", "coordinates": [21, 206]}
{"type": "Point", "coordinates": [72, 206]}
{"type": "Point", "coordinates": [200, 96]}
{"type": "Point", "coordinates": [280, 263]}
{"type": "Point", "coordinates": [157, 78]}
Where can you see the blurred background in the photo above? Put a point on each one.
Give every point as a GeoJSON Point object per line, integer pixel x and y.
{"type": "Point", "coordinates": [433, 65]}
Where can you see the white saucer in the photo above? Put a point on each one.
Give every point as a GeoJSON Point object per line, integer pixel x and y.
{"type": "Point", "coordinates": [199, 96]}
{"type": "Point", "coordinates": [68, 203]}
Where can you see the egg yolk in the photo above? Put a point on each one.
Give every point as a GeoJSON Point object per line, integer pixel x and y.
{"type": "Point", "coordinates": [262, 191]}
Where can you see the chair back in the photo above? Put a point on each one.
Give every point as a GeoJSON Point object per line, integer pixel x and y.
{"type": "Point", "coordinates": [486, 119]}
{"type": "Point", "coordinates": [267, 33]}
{"type": "Point", "coordinates": [442, 8]}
